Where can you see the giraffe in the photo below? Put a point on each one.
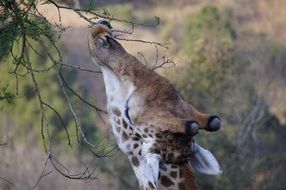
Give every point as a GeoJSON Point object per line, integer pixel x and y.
{"type": "Point", "coordinates": [151, 123]}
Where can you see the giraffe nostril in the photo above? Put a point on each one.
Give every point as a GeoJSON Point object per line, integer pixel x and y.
{"type": "Point", "coordinates": [192, 128]}
{"type": "Point", "coordinates": [214, 123]}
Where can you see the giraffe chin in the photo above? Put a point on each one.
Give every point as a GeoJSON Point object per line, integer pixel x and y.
{"type": "Point", "coordinates": [203, 161]}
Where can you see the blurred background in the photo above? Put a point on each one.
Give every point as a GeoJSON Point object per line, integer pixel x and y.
{"type": "Point", "coordinates": [230, 60]}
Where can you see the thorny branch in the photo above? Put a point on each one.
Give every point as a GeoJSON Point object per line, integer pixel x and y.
{"type": "Point", "coordinates": [43, 174]}
{"type": "Point", "coordinates": [86, 174]}
{"type": "Point", "coordinates": [23, 17]}
{"type": "Point", "coordinates": [165, 62]}
{"type": "Point", "coordinates": [61, 120]}
{"type": "Point", "coordinates": [98, 110]}
{"type": "Point", "coordinates": [81, 135]}
{"type": "Point", "coordinates": [96, 15]}
{"type": "Point", "coordinates": [80, 68]}
{"type": "Point", "coordinates": [164, 45]}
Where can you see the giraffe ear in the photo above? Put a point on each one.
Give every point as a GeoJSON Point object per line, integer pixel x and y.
{"type": "Point", "coordinates": [203, 161]}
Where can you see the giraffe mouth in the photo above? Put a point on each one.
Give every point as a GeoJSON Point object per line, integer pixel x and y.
{"type": "Point", "coordinates": [99, 43]}
{"type": "Point", "coordinates": [100, 34]}
{"type": "Point", "coordinates": [100, 29]}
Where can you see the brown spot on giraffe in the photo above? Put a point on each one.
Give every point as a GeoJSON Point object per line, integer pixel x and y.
{"type": "Point", "coordinates": [165, 181]}
{"type": "Point", "coordinates": [135, 146]}
{"type": "Point", "coordinates": [171, 156]}
{"type": "Point", "coordinates": [118, 129]}
{"type": "Point", "coordinates": [135, 138]}
{"type": "Point", "coordinates": [117, 120]}
{"type": "Point", "coordinates": [158, 136]}
{"type": "Point", "coordinates": [125, 125]}
{"type": "Point", "coordinates": [173, 174]}
{"type": "Point", "coordinates": [116, 111]}
{"type": "Point", "coordinates": [135, 161]}
{"type": "Point", "coordinates": [125, 137]}
{"type": "Point", "coordinates": [137, 135]}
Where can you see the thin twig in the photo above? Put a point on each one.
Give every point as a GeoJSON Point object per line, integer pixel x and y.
{"type": "Point", "coordinates": [60, 74]}
{"type": "Point", "coordinates": [97, 15]}
{"type": "Point", "coordinates": [80, 68]}
{"type": "Point", "coordinates": [164, 45]}
{"type": "Point", "coordinates": [78, 127]}
{"type": "Point", "coordinates": [7, 181]}
{"type": "Point", "coordinates": [144, 58]}
{"type": "Point", "coordinates": [86, 175]}
{"type": "Point", "coordinates": [165, 61]}
{"type": "Point", "coordinates": [117, 33]}
{"type": "Point", "coordinates": [41, 102]}
{"type": "Point", "coordinates": [81, 98]}
{"type": "Point", "coordinates": [4, 144]}
{"type": "Point", "coordinates": [62, 122]}
{"type": "Point", "coordinates": [42, 173]}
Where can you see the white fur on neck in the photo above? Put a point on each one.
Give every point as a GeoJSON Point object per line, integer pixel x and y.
{"type": "Point", "coordinates": [117, 94]}
{"type": "Point", "coordinates": [116, 91]}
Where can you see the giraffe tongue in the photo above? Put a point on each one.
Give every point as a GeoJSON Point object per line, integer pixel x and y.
{"type": "Point", "coordinates": [203, 161]}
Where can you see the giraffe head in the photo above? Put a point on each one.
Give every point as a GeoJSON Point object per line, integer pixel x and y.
{"type": "Point", "coordinates": [104, 49]}
{"type": "Point", "coordinates": [107, 52]}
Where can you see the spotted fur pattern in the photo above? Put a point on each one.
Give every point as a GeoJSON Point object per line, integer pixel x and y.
{"type": "Point", "coordinates": [137, 141]}
{"type": "Point", "coordinates": [131, 139]}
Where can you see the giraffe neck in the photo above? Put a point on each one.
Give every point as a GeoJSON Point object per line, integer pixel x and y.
{"type": "Point", "coordinates": [117, 94]}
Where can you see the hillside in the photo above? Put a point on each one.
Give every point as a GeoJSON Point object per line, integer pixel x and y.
{"type": "Point", "coordinates": [230, 60]}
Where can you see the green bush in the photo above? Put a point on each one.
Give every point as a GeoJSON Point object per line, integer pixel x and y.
{"type": "Point", "coordinates": [216, 81]}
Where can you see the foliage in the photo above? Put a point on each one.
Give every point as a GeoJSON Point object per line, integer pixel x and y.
{"type": "Point", "coordinates": [216, 80]}
{"type": "Point", "coordinates": [37, 93]}
{"type": "Point", "coordinates": [23, 97]}
{"type": "Point", "coordinates": [210, 66]}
